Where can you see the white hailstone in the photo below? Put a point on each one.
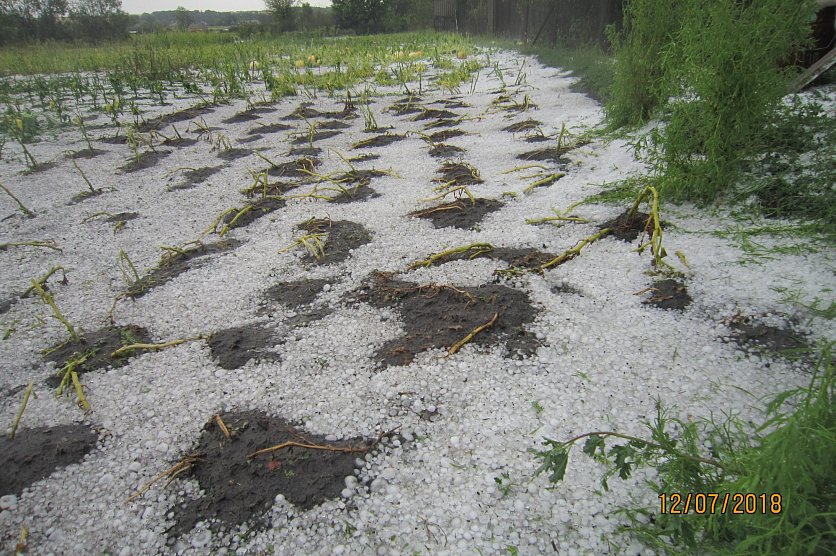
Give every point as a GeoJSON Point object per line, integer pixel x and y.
{"type": "Point", "coordinates": [135, 466]}
{"type": "Point", "coordinates": [106, 479]}
{"type": "Point", "coordinates": [378, 485]}
{"type": "Point", "coordinates": [8, 502]}
{"type": "Point", "coordinates": [202, 538]}
{"type": "Point", "coordinates": [126, 551]}
{"type": "Point", "coordinates": [347, 493]}
{"type": "Point", "coordinates": [388, 474]}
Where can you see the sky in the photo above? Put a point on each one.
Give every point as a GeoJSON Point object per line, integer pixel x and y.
{"type": "Point", "coordinates": [143, 6]}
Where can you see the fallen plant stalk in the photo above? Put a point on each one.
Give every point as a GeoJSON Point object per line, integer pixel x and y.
{"type": "Point", "coordinates": [155, 347]}
{"type": "Point", "coordinates": [26, 394]}
{"type": "Point", "coordinates": [292, 444]}
{"type": "Point", "coordinates": [172, 471]}
{"type": "Point", "coordinates": [575, 251]}
{"type": "Point", "coordinates": [46, 298]}
{"type": "Point", "coordinates": [33, 243]}
{"type": "Point", "coordinates": [20, 205]}
{"type": "Point", "coordinates": [458, 345]}
{"type": "Point", "coordinates": [477, 248]}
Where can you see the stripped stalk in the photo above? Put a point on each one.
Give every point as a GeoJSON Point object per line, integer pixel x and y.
{"type": "Point", "coordinates": [477, 248]}
{"type": "Point", "coordinates": [47, 298]}
{"type": "Point", "coordinates": [26, 394]}
{"type": "Point", "coordinates": [458, 345]}
{"type": "Point", "coordinates": [93, 190]}
{"type": "Point", "coordinates": [28, 213]}
{"type": "Point", "coordinates": [548, 180]}
{"type": "Point", "coordinates": [154, 347]}
{"type": "Point", "coordinates": [79, 392]}
{"type": "Point", "coordinates": [34, 243]}
{"type": "Point", "coordinates": [570, 254]}
{"type": "Point", "coordinates": [46, 277]}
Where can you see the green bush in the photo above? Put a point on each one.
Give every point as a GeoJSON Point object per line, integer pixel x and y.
{"type": "Point", "coordinates": [640, 48]}
{"type": "Point", "coordinates": [724, 72]}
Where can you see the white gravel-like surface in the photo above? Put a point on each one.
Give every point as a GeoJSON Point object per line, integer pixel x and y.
{"type": "Point", "coordinates": [605, 358]}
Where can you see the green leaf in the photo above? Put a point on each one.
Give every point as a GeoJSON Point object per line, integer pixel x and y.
{"type": "Point", "coordinates": [594, 444]}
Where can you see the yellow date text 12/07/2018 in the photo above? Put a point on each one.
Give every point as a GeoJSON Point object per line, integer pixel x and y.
{"type": "Point", "coordinates": [724, 503]}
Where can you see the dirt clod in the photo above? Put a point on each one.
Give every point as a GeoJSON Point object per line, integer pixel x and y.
{"type": "Point", "coordinates": [443, 150]}
{"type": "Point", "coordinates": [296, 294]}
{"type": "Point", "coordinates": [146, 160]}
{"type": "Point", "coordinates": [378, 141]}
{"type": "Point", "coordinates": [196, 176]}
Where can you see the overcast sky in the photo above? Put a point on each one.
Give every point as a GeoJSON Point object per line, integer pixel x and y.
{"type": "Point", "coordinates": [143, 6]}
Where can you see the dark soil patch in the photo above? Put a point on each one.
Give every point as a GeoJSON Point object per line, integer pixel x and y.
{"type": "Point", "coordinates": [307, 316]}
{"type": "Point", "coordinates": [748, 333]}
{"type": "Point", "coordinates": [434, 114]}
{"type": "Point", "coordinates": [146, 160]}
{"type": "Point", "coordinates": [41, 167]}
{"type": "Point", "coordinates": [537, 138]}
{"type": "Point", "coordinates": [552, 154]}
{"type": "Point", "coordinates": [193, 178]}
{"type": "Point", "coordinates": [239, 489]}
{"type": "Point", "coordinates": [98, 347]}
{"type": "Point", "coordinates": [269, 128]}
{"type": "Point", "coordinates": [458, 173]}
{"type": "Point", "coordinates": [364, 157]}
{"type": "Point", "coordinates": [234, 347]}
{"type": "Point", "coordinates": [84, 195]}
{"type": "Point", "coordinates": [233, 154]}
{"type": "Point", "coordinates": [116, 140]}
{"type": "Point", "coordinates": [275, 189]}
{"type": "Point", "coordinates": [523, 126]}
{"type": "Point", "coordinates": [443, 150]}
{"type": "Point", "coordinates": [441, 123]}
{"type": "Point", "coordinates": [305, 151]}
{"type": "Point", "coordinates": [668, 294]}
{"type": "Point", "coordinates": [180, 116]}
{"type": "Point", "coordinates": [240, 117]}
{"type": "Point", "coordinates": [333, 124]}
{"type": "Point", "coordinates": [361, 177]}
{"type": "Point", "coordinates": [439, 316]}
{"type": "Point", "coordinates": [410, 105]}
{"type": "Point", "coordinates": [378, 141]}
{"type": "Point", "coordinates": [174, 263]}
{"type": "Point", "coordinates": [121, 217]}
{"type": "Point", "coordinates": [446, 134]}
{"type": "Point", "coordinates": [299, 168]}
{"type": "Point", "coordinates": [6, 304]}
{"type": "Point", "coordinates": [251, 139]}
{"type": "Point", "coordinates": [37, 453]}
{"type": "Point", "coordinates": [253, 211]}
{"type": "Point", "coordinates": [304, 112]}
{"type": "Point", "coordinates": [459, 214]}
{"type": "Point", "coordinates": [86, 153]}
{"type": "Point", "coordinates": [296, 294]}
{"type": "Point", "coordinates": [529, 259]}
{"type": "Point", "coordinates": [180, 142]}
{"type": "Point", "coordinates": [451, 103]}
{"type": "Point", "coordinates": [626, 227]}
{"type": "Point", "coordinates": [359, 192]}
{"type": "Point", "coordinates": [307, 138]}
{"type": "Point", "coordinates": [343, 237]}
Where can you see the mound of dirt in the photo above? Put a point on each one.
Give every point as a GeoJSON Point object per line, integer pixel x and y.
{"type": "Point", "coordinates": [296, 294]}
{"type": "Point", "coordinates": [343, 236]}
{"type": "Point", "coordinates": [175, 263]}
{"type": "Point", "coordinates": [234, 347]}
{"type": "Point", "coordinates": [195, 176]}
{"type": "Point", "coordinates": [668, 294]}
{"type": "Point", "coordinates": [240, 487]}
{"type": "Point", "coordinates": [94, 350]}
{"type": "Point", "coordinates": [146, 160]}
{"type": "Point", "coordinates": [37, 453]}
{"type": "Point", "coordinates": [442, 316]}
{"type": "Point", "coordinates": [627, 227]}
{"type": "Point", "coordinates": [462, 214]}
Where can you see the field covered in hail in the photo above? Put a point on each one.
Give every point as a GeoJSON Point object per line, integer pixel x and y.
{"type": "Point", "coordinates": [328, 296]}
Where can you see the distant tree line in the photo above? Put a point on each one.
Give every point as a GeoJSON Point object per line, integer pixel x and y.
{"type": "Point", "coordinates": [24, 21]}
{"type": "Point", "coordinates": [360, 16]}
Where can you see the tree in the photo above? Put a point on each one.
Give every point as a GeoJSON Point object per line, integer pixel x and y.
{"type": "Point", "coordinates": [183, 17]}
{"type": "Point", "coordinates": [98, 20]}
{"type": "Point", "coordinates": [283, 12]}
{"type": "Point", "coordinates": [364, 16]}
